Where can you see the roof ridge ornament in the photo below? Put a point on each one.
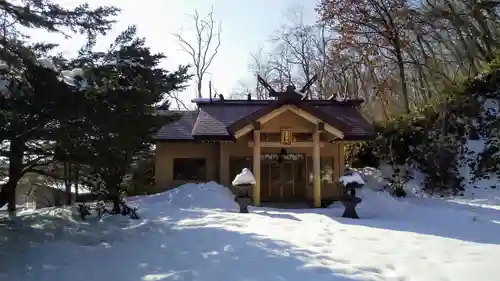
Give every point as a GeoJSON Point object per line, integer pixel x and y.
{"type": "Point", "coordinates": [289, 89]}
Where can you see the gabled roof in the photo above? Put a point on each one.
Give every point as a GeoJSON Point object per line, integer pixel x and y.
{"type": "Point", "coordinates": [289, 100]}
{"type": "Point", "coordinates": [219, 119]}
{"type": "Point", "coordinates": [179, 129]}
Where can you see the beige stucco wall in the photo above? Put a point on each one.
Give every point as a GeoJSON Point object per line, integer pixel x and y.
{"type": "Point", "coordinates": [167, 151]}
{"type": "Point", "coordinates": [218, 154]}
{"type": "Point", "coordinates": [288, 119]}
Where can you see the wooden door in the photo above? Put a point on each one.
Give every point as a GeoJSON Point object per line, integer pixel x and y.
{"type": "Point", "coordinates": [275, 193]}
{"type": "Point", "coordinates": [265, 180]}
{"type": "Point", "coordinates": [299, 180]}
{"type": "Point", "coordinates": [270, 181]}
{"type": "Point", "coordinates": [287, 180]}
{"type": "Point", "coordinates": [283, 181]}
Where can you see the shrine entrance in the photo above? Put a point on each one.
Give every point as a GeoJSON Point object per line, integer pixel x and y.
{"type": "Point", "coordinates": [283, 178]}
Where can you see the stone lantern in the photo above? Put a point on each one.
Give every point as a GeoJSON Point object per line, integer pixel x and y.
{"type": "Point", "coordinates": [349, 199]}
{"type": "Point", "coordinates": [242, 185]}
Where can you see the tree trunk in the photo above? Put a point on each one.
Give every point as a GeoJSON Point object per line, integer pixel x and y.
{"type": "Point", "coordinates": [199, 86]}
{"type": "Point", "coordinates": [67, 182]}
{"type": "Point", "coordinates": [77, 178]}
{"type": "Point", "coordinates": [113, 188]}
{"type": "Point", "coordinates": [9, 190]}
{"type": "Point", "coordinates": [402, 77]}
{"type": "Point", "coordinates": [15, 171]}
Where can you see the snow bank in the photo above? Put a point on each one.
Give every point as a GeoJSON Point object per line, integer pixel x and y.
{"type": "Point", "coordinates": [400, 239]}
{"type": "Point", "coordinates": [474, 148]}
{"type": "Point", "coordinates": [373, 178]}
{"type": "Point", "coordinates": [380, 204]}
{"type": "Point", "coordinates": [192, 196]}
{"type": "Point", "coordinates": [376, 201]}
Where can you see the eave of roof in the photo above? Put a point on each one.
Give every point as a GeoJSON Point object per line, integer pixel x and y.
{"type": "Point", "coordinates": [217, 120]}
{"type": "Point", "coordinates": [287, 101]}
{"type": "Point", "coordinates": [349, 102]}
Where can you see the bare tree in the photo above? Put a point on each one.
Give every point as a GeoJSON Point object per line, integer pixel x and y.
{"type": "Point", "coordinates": [242, 90]}
{"type": "Point", "coordinates": [300, 52]}
{"type": "Point", "coordinates": [177, 101]}
{"type": "Point", "coordinates": [260, 66]}
{"type": "Point", "coordinates": [205, 48]}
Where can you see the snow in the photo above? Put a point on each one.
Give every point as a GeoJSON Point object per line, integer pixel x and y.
{"type": "Point", "coordinates": [193, 196]}
{"type": "Point", "coordinates": [245, 177]}
{"type": "Point", "coordinates": [354, 178]}
{"type": "Point", "coordinates": [82, 189]}
{"type": "Point", "coordinates": [204, 100]}
{"type": "Point", "coordinates": [195, 232]}
{"type": "Point", "coordinates": [3, 181]}
{"type": "Point", "coordinates": [47, 63]}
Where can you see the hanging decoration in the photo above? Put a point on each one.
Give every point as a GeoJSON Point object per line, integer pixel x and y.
{"type": "Point", "coordinates": [286, 136]}
{"type": "Point", "coordinates": [283, 157]}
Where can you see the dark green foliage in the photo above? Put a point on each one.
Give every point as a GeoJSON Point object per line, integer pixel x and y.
{"type": "Point", "coordinates": [433, 139]}
{"type": "Point", "coordinates": [117, 113]}
{"type": "Point", "coordinates": [39, 103]}
{"type": "Point", "coordinates": [361, 155]}
{"type": "Point", "coordinates": [32, 113]}
{"type": "Point", "coordinates": [141, 178]}
{"type": "Point", "coordinates": [44, 14]}
{"type": "Point", "coordinates": [90, 136]}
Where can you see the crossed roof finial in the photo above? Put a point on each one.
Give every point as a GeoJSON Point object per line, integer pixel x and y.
{"type": "Point", "coordinates": [289, 89]}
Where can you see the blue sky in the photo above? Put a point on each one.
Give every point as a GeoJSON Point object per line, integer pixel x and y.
{"type": "Point", "coordinates": [246, 26]}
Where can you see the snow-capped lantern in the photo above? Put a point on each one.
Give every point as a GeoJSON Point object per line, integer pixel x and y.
{"type": "Point", "coordinates": [246, 177]}
{"type": "Point", "coordinates": [349, 200]}
{"type": "Point", "coordinates": [241, 188]}
{"type": "Point", "coordinates": [351, 182]}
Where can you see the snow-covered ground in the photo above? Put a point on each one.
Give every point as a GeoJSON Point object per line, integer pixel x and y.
{"type": "Point", "coordinates": [195, 233]}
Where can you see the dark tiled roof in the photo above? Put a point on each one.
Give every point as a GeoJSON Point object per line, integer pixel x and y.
{"type": "Point", "coordinates": [216, 120]}
{"type": "Point", "coordinates": [358, 127]}
{"type": "Point", "coordinates": [296, 101]}
{"type": "Point", "coordinates": [180, 129]}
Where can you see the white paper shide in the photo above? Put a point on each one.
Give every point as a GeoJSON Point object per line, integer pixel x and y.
{"type": "Point", "coordinates": [244, 178]}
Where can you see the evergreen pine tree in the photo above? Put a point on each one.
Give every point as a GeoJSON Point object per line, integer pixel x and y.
{"type": "Point", "coordinates": [37, 97]}
{"type": "Point", "coordinates": [119, 119]}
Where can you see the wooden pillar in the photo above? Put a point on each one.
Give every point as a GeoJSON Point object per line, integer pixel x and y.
{"type": "Point", "coordinates": [341, 158]}
{"type": "Point", "coordinates": [335, 168]}
{"type": "Point", "coordinates": [256, 164]}
{"type": "Point", "coordinates": [316, 169]}
{"type": "Point", "coordinates": [223, 165]}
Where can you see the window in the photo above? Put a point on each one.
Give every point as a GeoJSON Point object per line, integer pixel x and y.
{"type": "Point", "coordinates": [189, 169]}
{"type": "Point", "coordinates": [326, 166]}
{"type": "Point", "coordinates": [327, 170]}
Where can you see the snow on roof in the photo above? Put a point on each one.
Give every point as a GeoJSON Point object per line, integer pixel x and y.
{"type": "Point", "coordinates": [204, 99]}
